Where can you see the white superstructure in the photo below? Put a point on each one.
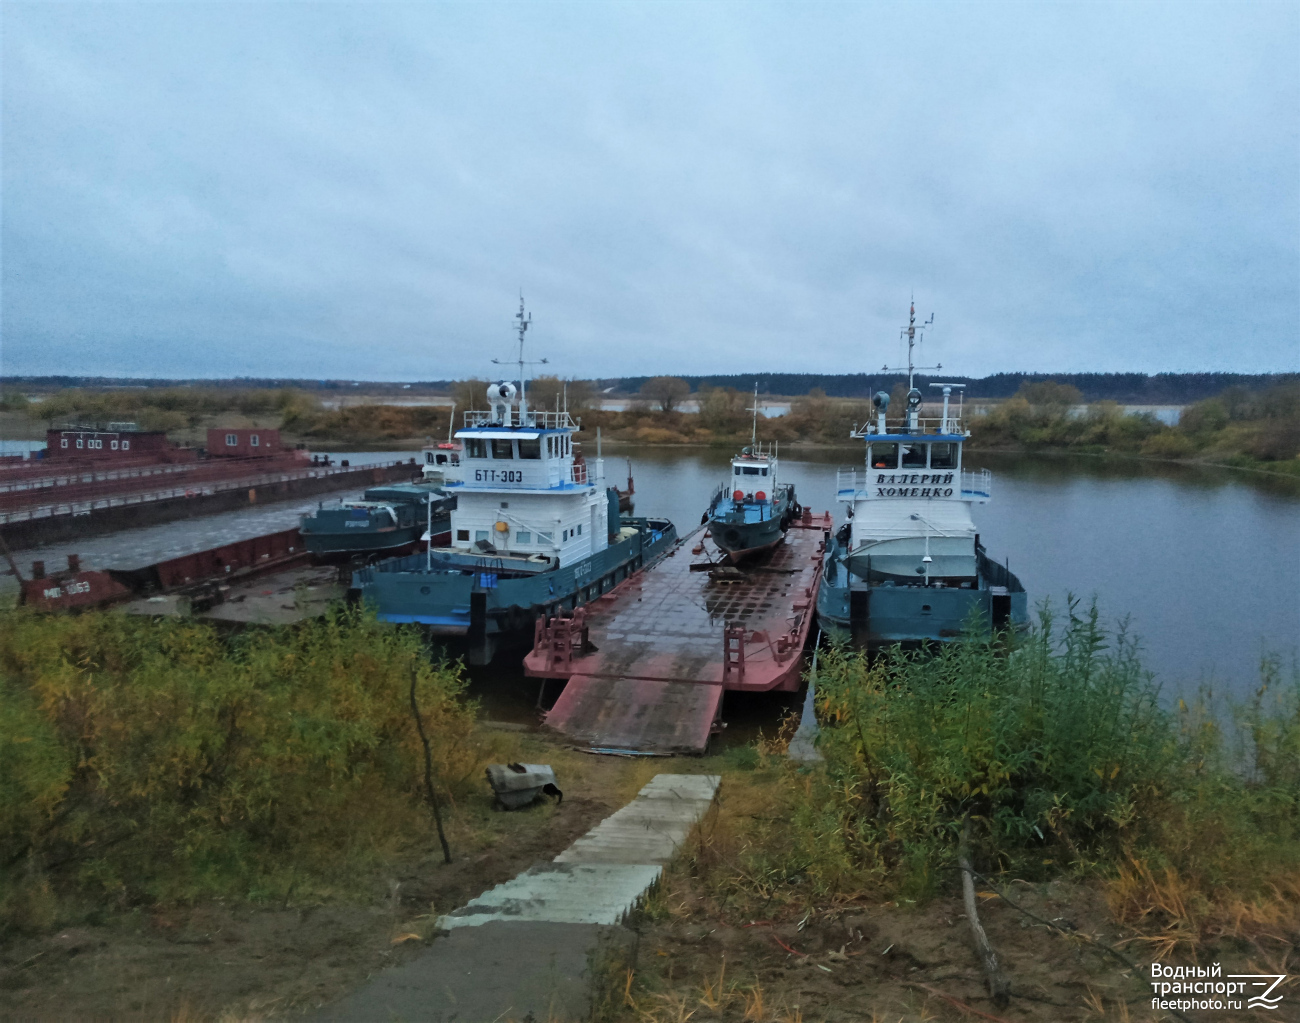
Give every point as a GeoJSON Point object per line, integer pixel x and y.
{"type": "Point", "coordinates": [522, 488]}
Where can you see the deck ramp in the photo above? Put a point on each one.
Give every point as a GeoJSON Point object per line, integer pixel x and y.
{"type": "Point", "coordinates": [649, 715]}
{"type": "Point", "coordinates": [647, 663]}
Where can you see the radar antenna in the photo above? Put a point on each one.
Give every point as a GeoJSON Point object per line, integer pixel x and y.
{"type": "Point", "coordinates": [525, 321]}
{"type": "Point", "coordinates": [910, 332]}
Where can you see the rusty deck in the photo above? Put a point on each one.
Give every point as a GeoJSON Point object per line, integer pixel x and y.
{"type": "Point", "coordinates": [647, 663]}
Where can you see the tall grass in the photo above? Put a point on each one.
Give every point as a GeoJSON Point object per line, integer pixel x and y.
{"type": "Point", "coordinates": [145, 760]}
{"type": "Point", "coordinates": [1059, 750]}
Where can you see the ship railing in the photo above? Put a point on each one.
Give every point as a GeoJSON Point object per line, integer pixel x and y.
{"type": "Point", "coordinates": [977, 484]}
{"type": "Point", "coordinates": [537, 420]}
{"type": "Point", "coordinates": [924, 424]}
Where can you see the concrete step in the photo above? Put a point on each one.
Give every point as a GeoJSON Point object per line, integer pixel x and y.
{"type": "Point", "coordinates": [602, 876]}
{"type": "Point", "coordinates": [530, 945]}
{"type": "Point", "coordinates": [561, 893]}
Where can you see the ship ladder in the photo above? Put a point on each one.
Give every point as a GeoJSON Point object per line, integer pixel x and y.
{"type": "Point", "coordinates": [733, 653]}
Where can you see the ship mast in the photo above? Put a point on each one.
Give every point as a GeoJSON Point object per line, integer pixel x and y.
{"type": "Point", "coordinates": [753, 433]}
{"type": "Point", "coordinates": [525, 321]}
{"type": "Point", "coordinates": [909, 332]}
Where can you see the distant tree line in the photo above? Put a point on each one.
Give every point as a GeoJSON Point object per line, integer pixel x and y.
{"type": "Point", "coordinates": [1127, 388]}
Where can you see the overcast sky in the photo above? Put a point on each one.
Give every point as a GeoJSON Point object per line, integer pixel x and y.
{"type": "Point", "coordinates": [361, 190]}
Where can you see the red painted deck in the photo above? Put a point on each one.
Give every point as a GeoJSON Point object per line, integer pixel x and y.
{"type": "Point", "coordinates": [647, 663]}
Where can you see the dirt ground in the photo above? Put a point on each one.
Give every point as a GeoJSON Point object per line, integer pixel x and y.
{"type": "Point", "coordinates": [898, 964]}
{"type": "Point", "coordinates": [895, 962]}
{"type": "Point", "coordinates": [882, 962]}
{"type": "Point", "coordinates": [216, 961]}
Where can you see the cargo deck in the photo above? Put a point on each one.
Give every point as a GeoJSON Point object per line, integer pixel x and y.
{"type": "Point", "coordinates": [646, 664]}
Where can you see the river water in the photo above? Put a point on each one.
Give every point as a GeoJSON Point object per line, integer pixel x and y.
{"type": "Point", "coordinates": [1205, 563]}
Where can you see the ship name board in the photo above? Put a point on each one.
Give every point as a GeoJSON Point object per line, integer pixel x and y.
{"type": "Point", "coordinates": [915, 484]}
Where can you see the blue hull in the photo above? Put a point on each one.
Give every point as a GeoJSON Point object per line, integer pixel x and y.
{"type": "Point", "coordinates": [876, 615]}
{"type": "Point", "coordinates": [742, 528]}
{"type": "Point", "coordinates": [484, 605]}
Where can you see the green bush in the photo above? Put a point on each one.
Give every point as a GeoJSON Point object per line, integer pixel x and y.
{"type": "Point", "coordinates": [1061, 752]}
{"type": "Point", "coordinates": [152, 760]}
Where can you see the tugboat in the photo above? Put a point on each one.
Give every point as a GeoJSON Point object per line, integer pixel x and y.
{"type": "Point", "coordinates": [751, 511]}
{"type": "Point", "coordinates": [535, 531]}
{"type": "Point", "coordinates": [908, 566]}
{"type": "Point", "coordinates": [383, 519]}
{"type": "Point", "coordinates": [441, 462]}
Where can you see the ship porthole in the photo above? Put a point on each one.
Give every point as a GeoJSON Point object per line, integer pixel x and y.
{"type": "Point", "coordinates": [425, 590]}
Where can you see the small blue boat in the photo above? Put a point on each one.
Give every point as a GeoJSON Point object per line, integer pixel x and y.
{"type": "Point", "coordinates": [751, 511]}
{"type": "Point", "coordinates": [535, 530]}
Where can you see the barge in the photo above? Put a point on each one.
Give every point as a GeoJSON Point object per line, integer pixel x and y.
{"type": "Point", "coordinates": [647, 665]}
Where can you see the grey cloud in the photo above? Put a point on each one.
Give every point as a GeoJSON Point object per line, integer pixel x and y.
{"type": "Point", "coordinates": [360, 190]}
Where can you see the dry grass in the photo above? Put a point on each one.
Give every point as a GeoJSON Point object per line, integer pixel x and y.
{"type": "Point", "coordinates": [1176, 915]}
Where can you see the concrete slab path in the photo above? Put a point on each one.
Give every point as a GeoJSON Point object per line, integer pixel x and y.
{"type": "Point", "coordinates": [524, 949]}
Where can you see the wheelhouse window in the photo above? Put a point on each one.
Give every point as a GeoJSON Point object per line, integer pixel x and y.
{"type": "Point", "coordinates": [476, 447]}
{"type": "Point", "coordinates": [503, 449]}
{"type": "Point", "coordinates": [943, 456]}
{"type": "Point", "coordinates": [914, 456]}
{"type": "Point", "coordinates": [883, 456]}
{"type": "Point", "coordinates": [530, 449]}
{"type": "Point", "coordinates": [751, 470]}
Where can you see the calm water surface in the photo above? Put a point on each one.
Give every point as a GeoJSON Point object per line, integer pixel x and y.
{"type": "Point", "coordinates": [1205, 563]}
